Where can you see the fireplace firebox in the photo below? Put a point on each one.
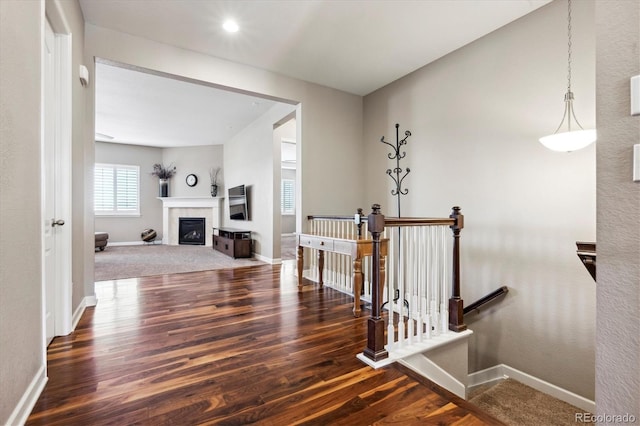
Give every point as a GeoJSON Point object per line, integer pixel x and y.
{"type": "Point", "coordinates": [191, 230]}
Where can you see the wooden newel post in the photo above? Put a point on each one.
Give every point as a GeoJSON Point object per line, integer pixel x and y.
{"type": "Point", "coordinates": [358, 219]}
{"type": "Point", "coordinates": [456, 306]}
{"type": "Point", "coordinates": [375, 326]}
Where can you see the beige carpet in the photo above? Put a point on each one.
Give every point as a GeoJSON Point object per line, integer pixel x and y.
{"type": "Point", "coordinates": [520, 405]}
{"type": "Point", "coordinates": [288, 247]}
{"type": "Point", "coordinates": [156, 259]}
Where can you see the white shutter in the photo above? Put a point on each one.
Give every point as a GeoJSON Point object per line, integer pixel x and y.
{"type": "Point", "coordinates": [116, 190]}
{"type": "Point", "coordinates": [287, 199]}
{"type": "Point", "coordinates": [103, 189]}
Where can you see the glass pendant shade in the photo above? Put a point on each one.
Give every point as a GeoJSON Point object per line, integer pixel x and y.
{"type": "Point", "coordinates": [569, 141]}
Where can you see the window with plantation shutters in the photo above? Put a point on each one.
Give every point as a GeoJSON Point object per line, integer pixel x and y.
{"type": "Point", "coordinates": [288, 200]}
{"type": "Point", "coordinates": [116, 190]}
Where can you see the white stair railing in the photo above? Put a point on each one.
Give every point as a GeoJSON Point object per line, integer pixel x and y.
{"type": "Point", "coordinates": [338, 268]}
{"type": "Point", "coordinates": [418, 285]}
{"type": "Point", "coordinates": [421, 284]}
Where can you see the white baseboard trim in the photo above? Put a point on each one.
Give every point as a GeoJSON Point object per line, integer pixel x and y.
{"type": "Point", "coordinates": [77, 314]}
{"type": "Point", "coordinates": [90, 301]}
{"type": "Point", "coordinates": [267, 259]}
{"type": "Point", "coordinates": [502, 371]}
{"type": "Point", "coordinates": [28, 400]}
{"type": "Point", "coordinates": [127, 243]}
{"type": "Point", "coordinates": [432, 371]}
{"type": "Point", "coordinates": [488, 375]}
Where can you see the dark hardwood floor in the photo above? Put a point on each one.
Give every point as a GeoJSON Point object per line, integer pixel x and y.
{"type": "Point", "coordinates": [232, 347]}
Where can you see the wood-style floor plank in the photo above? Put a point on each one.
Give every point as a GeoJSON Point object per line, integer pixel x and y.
{"type": "Point", "coordinates": [230, 347]}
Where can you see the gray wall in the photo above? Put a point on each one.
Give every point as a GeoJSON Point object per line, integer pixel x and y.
{"type": "Point", "coordinates": [125, 228]}
{"type": "Point", "coordinates": [69, 14]}
{"type": "Point", "coordinates": [618, 327]}
{"type": "Point", "coordinates": [249, 160]}
{"type": "Point", "coordinates": [197, 160]}
{"type": "Point", "coordinates": [329, 132]}
{"type": "Point", "coordinates": [21, 334]}
{"type": "Point", "coordinates": [329, 126]}
{"type": "Point", "coordinates": [476, 116]}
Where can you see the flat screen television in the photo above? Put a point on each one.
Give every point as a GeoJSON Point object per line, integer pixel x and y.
{"type": "Point", "coordinates": [238, 203]}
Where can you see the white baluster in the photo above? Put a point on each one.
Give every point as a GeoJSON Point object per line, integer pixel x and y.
{"type": "Point", "coordinates": [445, 285]}
{"type": "Point", "coordinates": [422, 282]}
{"type": "Point", "coordinates": [428, 282]}
{"type": "Point", "coordinates": [311, 252]}
{"type": "Point", "coordinates": [391, 283]}
{"type": "Point", "coordinates": [406, 296]}
{"type": "Point", "coordinates": [403, 282]}
{"type": "Point", "coordinates": [413, 302]}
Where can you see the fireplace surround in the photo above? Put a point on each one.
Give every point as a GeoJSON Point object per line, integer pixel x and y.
{"type": "Point", "coordinates": [174, 208]}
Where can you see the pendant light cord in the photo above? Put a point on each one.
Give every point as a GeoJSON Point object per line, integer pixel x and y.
{"type": "Point", "coordinates": [569, 46]}
{"type": "Point", "coordinates": [575, 137]}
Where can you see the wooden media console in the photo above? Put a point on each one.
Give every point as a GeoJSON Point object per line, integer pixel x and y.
{"type": "Point", "coordinates": [232, 242]}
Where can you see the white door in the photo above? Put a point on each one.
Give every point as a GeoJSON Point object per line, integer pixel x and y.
{"type": "Point", "coordinates": [56, 184]}
{"type": "Point", "coordinates": [48, 187]}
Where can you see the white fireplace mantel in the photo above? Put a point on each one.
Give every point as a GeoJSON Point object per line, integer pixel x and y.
{"type": "Point", "coordinates": [175, 207]}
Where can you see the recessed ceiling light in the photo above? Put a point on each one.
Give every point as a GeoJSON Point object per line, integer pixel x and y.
{"type": "Point", "coordinates": [230, 26]}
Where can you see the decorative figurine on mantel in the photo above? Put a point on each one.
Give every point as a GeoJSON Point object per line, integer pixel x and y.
{"type": "Point", "coordinates": [164, 174]}
{"type": "Point", "coordinates": [213, 174]}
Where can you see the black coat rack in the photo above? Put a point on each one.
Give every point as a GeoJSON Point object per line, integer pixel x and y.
{"type": "Point", "coordinates": [398, 174]}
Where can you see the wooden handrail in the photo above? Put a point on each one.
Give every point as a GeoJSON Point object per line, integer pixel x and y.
{"type": "Point", "coordinates": [418, 221]}
{"type": "Point", "coordinates": [391, 221]}
{"type": "Point", "coordinates": [475, 306]}
{"type": "Point", "coordinates": [331, 217]}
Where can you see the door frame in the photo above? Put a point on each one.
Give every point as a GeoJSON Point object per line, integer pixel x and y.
{"type": "Point", "coordinates": [62, 310]}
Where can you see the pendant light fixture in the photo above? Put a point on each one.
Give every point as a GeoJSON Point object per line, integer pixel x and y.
{"type": "Point", "coordinates": [574, 137]}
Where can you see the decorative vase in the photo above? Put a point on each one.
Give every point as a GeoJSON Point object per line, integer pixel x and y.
{"type": "Point", "coordinates": [163, 188]}
{"type": "Point", "coordinates": [214, 190]}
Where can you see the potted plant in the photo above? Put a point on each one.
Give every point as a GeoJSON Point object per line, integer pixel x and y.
{"type": "Point", "coordinates": [164, 174]}
{"type": "Point", "coordinates": [213, 174]}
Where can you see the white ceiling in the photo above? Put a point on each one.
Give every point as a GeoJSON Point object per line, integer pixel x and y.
{"type": "Point", "coordinates": [145, 109]}
{"type": "Point", "coordinates": [356, 46]}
